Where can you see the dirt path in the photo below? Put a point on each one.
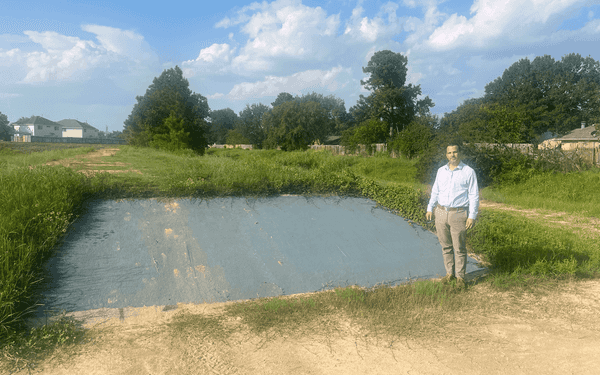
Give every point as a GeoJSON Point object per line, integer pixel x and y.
{"type": "Point", "coordinates": [86, 163]}
{"type": "Point", "coordinates": [558, 333]}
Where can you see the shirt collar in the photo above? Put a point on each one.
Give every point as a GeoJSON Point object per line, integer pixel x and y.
{"type": "Point", "coordinates": [459, 166]}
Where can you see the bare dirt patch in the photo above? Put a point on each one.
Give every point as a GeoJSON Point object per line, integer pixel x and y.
{"type": "Point", "coordinates": [85, 163]}
{"type": "Point", "coordinates": [553, 333]}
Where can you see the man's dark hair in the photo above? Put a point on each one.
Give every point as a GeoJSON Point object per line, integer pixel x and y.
{"type": "Point", "coordinates": [457, 144]}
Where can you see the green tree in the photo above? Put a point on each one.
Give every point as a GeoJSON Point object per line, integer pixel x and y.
{"type": "Point", "coordinates": [335, 107]}
{"type": "Point", "coordinates": [222, 121]}
{"type": "Point", "coordinates": [367, 133]}
{"type": "Point", "coordinates": [176, 138]}
{"type": "Point", "coordinates": [250, 123]}
{"type": "Point", "coordinates": [391, 99]}
{"type": "Point", "coordinates": [5, 130]}
{"type": "Point", "coordinates": [552, 95]}
{"type": "Point", "coordinates": [283, 97]}
{"type": "Point", "coordinates": [414, 139]}
{"type": "Point", "coordinates": [169, 93]}
{"type": "Point", "coordinates": [234, 137]}
{"type": "Point", "coordinates": [294, 125]}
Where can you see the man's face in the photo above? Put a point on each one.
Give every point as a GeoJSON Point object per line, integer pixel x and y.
{"type": "Point", "coordinates": [453, 155]}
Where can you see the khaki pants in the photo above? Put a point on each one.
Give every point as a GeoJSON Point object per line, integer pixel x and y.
{"type": "Point", "coordinates": [452, 234]}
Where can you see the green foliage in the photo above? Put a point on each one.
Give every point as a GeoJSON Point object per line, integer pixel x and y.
{"type": "Point", "coordinates": [168, 93]}
{"type": "Point", "coordinates": [234, 137]}
{"type": "Point", "coordinates": [385, 68]}
{"type": "Point", "coordinates": [334, 106]}
{"type": "Point", "coordinates": [408, 202]}
{"type": "Point", "coordinates": [283, 97]}
{"type": "Point", "coordinates": [222, 121]}
{"type": "Point", "coordinates": [350, 294]}
{"type": "Point", "coordinates": [516, 244]}
{"type": "Point", "coordinates": [368, 133]}
{"type": "Point", "coordinates": [176, 137]}
{"type": "Point", "coordinates": [5, 130]}
{"type": "Point", "coordinates": [413, 140]}
{"type": "Point", "coordinates": [564, 192]}
{"type": "Point", "coordinates": [250, 124]}
{"type": "Point", "coordinates": [294, 125]}
{"type": "Point", "coordinates": [552, 95]}
{"type": "Point", "coordinates": [498, 165]}
{"type": "Point", "coordinates": [391, 100]}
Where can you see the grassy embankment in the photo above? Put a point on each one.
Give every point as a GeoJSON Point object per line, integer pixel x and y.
{"type": "Point", "coordinates": [39, 205]}
{"type": "Point", "coordinates": [575, 193]}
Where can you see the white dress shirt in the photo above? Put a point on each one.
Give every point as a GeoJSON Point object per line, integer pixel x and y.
{"type": "Point", "coordinates": [457, 188]}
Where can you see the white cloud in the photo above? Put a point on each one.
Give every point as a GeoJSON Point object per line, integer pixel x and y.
{"type": "Point", "coordinates": [215, 96]}
{"type": "Point", "coordinates": [65, 57]}
{"type": "Point", "coordinates": [213, 59]}
{"type": "Point", "coordinates": [216, 52]}
{"type": "Point", "coordinates": [122, 42]}
{"type": "Point", "coordinates": [285, 29]}
{"type": "Point", "coordinates": [494, 22]}
{"type": "Point", "coordinates": [363, 29]}
{"type": "Point", "coordinates": [71, 58]}
{"type": "Point", "coordinates": [332, 80]}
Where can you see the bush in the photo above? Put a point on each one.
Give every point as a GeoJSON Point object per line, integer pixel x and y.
{"type": "Point", "coordinates": [234, 137]}
{"type": "Point", "coordinates": [176, 137]}
{"type": "Point", "coordinates": [413, 140]}
{"type": "Point", "coordinates": [499, 165]}
{"type": "Point", "coordinates": [368, 133]}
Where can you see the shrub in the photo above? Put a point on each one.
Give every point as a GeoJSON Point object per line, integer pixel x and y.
{"type": "Point", "coordinates": [234, 137]}
{"type": "Point", "coordinates": [367, 133]}
{"type": "Point", "coordinates": [413, 140]}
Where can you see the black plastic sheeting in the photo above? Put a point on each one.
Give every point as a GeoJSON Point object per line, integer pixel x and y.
{"type": "Point", "coordinates": [136, 253]}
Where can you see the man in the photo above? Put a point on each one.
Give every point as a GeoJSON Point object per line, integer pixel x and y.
{"type": "Point", "coordinates": [457, 196]}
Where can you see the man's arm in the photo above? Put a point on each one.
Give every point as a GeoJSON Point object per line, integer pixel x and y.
{"type": "Point", "coordinates": [473, 201]}
{"type": "Point", "coordinates": [435, 191]}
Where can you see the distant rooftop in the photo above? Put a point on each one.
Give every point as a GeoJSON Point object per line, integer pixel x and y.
{"type": "Point", "coordinates": [70, 123]}
{"type": "Point", "coordinates": [582, 134]}
{"type": "Point", "coordinates": [34, 120]}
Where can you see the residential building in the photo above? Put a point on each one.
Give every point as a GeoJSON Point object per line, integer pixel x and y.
{"type": "Point", "coordinates": [38, 126]}
{"type": "Point", "coordinates": [584, 137]}
{"type": "Point", "coordinates": [77, 129]}
{"type": "Point", "coordinates": [42, 127]}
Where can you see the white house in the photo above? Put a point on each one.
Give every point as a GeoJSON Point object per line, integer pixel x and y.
{"type": "Point", "coordinates": [76, 129]}
{"type": "Point", "coordinates": [38, 126]}
{"type": "Point", "coordinates": [42, 127]}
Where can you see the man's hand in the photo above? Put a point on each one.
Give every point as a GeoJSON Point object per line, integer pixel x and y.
{"type": "Point", "coordinates": [470, 223]}
{"type": "Point", "coordinates": [428, 216]}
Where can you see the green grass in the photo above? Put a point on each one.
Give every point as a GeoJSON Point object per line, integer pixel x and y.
{"type": "Point", "coordinates": [574, 192]}
{"type": "Point", "coordinates": [515, 245]}
{"type": "Point", "coordinates": [39, 206]}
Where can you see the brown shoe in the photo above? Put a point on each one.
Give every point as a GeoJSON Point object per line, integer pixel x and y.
{"type": "Point", "coordinates": [460, 283]}
{"type": "Point", "coordinates": [447, 279]}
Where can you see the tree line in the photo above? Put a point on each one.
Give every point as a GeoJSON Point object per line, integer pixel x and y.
{"type": "Point", "coordinates": [528, 100]}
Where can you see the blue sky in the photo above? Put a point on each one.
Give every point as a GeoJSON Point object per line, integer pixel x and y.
{"type": "Point", "coordinates": [88, 61]}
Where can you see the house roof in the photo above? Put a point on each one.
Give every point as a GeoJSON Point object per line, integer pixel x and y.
{"type": "Point", "coordinates": [584, 134]}
{"type": "Point", "coordinates": [34, 120]}
{"type": "Point", "coordinates": [70, 123]}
